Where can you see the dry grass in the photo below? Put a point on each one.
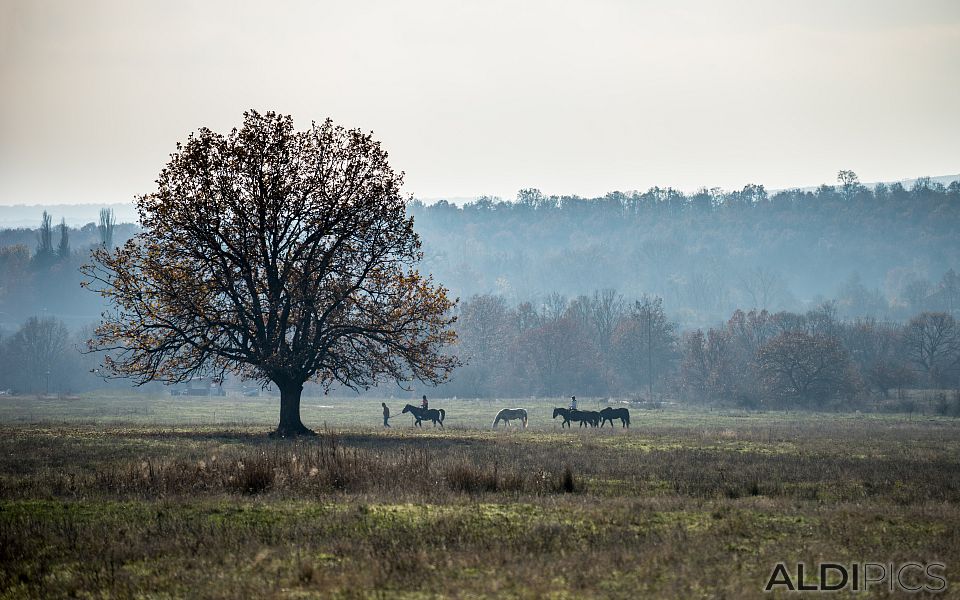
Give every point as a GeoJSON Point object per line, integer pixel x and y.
{"type": "Point", "coordinates": [675, 510]}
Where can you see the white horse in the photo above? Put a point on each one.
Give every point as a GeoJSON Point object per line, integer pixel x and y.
{"type": "Point", "coordinates": [508, 414]}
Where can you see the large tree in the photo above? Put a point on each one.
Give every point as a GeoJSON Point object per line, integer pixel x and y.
{"type": "Point", "coordinates": [805, 368]}
{"type": "Point", "coordinates": [38, 357]}
{"type": "Point", "coordinates": [484, 328]}
{"type": "Point", "coordinates": [277, 255]}
{"type": "Point", "coordinates": [932, 341]}
{"type": "Point", "coordinates": [558, 358]}
{"type": "Point", "coordinates": [645, 342]}
{"type": "Point", "coordinates": [876, 350]}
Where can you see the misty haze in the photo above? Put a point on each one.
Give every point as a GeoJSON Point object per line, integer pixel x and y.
{"type": "Point", "coordinates": [480, 300]}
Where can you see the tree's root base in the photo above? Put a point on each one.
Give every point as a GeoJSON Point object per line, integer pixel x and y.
{"type": "Point", "coordinates": [291, 432]}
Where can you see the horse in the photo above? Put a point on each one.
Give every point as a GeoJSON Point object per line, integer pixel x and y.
{"type": "Point", "coordinates": [591, 417]}
{"type": "Point", "coordinates": [508, 414]}
{"type": "Point", "coordinates": [432, 414]}
{"type": "Point", "coordinates": [584, 417]}
{"type": "Point", "coordinates": [609, 414]}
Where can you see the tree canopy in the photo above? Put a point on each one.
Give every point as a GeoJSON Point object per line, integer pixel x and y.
{"type": "Point", "coordinates": [278, 255]}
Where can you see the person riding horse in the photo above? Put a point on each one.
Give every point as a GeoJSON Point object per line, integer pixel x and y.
{"type": "Point", "coordinates": [584, 417]}
{"type": "Point", "coordinates": [431, 414]}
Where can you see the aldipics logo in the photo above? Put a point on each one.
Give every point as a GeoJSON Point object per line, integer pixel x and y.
{"type": "Point", "coordinates": [831, 577]}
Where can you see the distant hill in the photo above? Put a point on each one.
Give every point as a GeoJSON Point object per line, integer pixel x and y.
{"type": "Point", "coordinates": [878, 251]}
{"type": "Point", "coordinates": [77, 215]}
{"type": "Point", "coordinates": [943, 180]}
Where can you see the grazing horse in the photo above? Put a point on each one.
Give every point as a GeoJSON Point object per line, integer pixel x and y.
{"type": "Point", "coordinates": [609, 414]}
{"type": "Point", "coordinates": [432, 414]}
{"type": "Point", "coordinates": [509, 414]}
{"type": "Point", "coordinates": [584, 417]}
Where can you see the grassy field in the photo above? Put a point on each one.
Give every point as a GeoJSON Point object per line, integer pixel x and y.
{"type": "Point", "coordinates": [115, 496]}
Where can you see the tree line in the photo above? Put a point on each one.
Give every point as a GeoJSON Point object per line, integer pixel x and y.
{"type": "Point", "coordinates": [700, 254]}
{"type": "Point", "coordinates": [884, 251]}
{"type": "Point", "coordinates": [603, 344]}
{"type": "Point", "coordinates": [879, 250]}
{"type": "Point", "coordinates": [40, 269]}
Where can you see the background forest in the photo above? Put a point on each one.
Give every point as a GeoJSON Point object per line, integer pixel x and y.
{"type": "Point", "coordinates": [795, 298]}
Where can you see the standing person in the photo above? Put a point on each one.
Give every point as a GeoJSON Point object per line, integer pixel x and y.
{"type": "Point", "coordinates": [424, 404]}
{"type": "Point", "coordinates": [573, 403]}
{"type": "Point", "coordinates": [386, 414]}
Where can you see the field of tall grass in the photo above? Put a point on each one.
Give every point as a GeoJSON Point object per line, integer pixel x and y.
{"type": "Point", "coordinates": [127, 497]}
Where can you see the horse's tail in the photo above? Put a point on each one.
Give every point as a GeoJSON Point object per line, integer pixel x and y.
{"type": "Point", "coordinates": [524, 418]}
{"type": "Point", "coordinates": [442, 415]}
{"type": "Point", "coordinates": [628, 417]}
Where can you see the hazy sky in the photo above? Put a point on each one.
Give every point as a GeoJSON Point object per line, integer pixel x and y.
{"type": "Point", "coordinates": [487, 97]}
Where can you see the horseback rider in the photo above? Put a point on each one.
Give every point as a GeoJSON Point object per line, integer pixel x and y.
{"type": "Point", "coordinates": [386, 414]}
{"type": "Point", "coordinates": [573, 403]}
{"type": "Point", "coordinates": [424, 405]}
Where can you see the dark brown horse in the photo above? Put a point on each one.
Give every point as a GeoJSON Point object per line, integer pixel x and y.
{"type": "Point", "coordinates": [432, 414]}
{"type": "Point", "coordinates": [584, 417]}
{"type": "Point", "coordinates": [609, 414]}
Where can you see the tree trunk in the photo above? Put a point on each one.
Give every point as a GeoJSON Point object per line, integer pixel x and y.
{"type": "Point", "coordinates": [290, 424]}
